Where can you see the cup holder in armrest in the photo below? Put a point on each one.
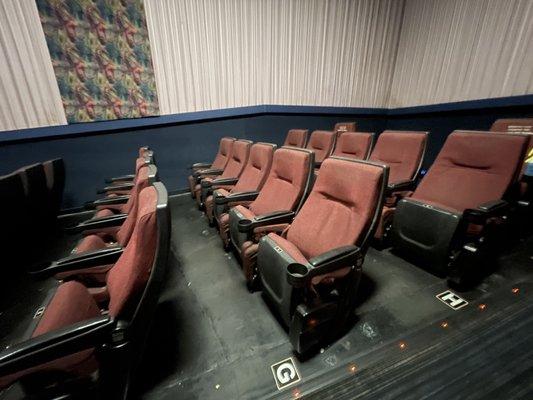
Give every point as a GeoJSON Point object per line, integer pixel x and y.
{"type": "Point", "coordinates": [297, 274]}
{"type": "Point", "coordinates": [244, 225]}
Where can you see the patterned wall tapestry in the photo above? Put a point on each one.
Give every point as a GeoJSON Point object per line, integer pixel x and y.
{"type": "Point", "coordinates": [101, 57]}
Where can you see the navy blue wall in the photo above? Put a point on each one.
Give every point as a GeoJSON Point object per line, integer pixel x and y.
{"type": "Point", "coordinates": [91, 157]}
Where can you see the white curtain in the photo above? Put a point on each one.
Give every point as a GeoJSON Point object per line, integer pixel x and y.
{"type": "Point", "coordinates": [211, 54]}
{"type": "Point", "coordinates": [29, 95]}
{"type": "Point", "coordinates": [456, 50]}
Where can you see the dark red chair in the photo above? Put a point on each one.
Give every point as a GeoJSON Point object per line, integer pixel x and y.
{"type": "Point", "coordinates": [252, 179]}
{"type": "Point", "coordinates": [80, 331]}
{"type": "Point", "coordinates": [271, 209]}
{"type": "Point", "coordinates": [403, 152]}
{"type": "Point", "coordinates": [355, 145]}
{"type": "Point", "coordinates": [322, 144]}
{"type": "Point", "coordinates": [310, 273]}
{"type": "Point", "coordinates": [231, 173]}
{"type": "Point", "coordinates": [199, 170]}
{"type": "Point", "coordinates": [296, 138]}
{"type": "Point", "coordinates": [448, 225]}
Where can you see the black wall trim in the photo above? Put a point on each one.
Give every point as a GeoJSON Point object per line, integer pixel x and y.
{"type": "Point", "coordinates": [103, 127]}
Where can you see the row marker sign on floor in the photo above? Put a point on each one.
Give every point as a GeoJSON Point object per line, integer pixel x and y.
{"type": "Point", "coordinates": [452, 300]}
{"type": "Point", "coordinates": [285, 373]}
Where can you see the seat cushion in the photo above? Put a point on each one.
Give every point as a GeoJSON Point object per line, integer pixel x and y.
{"type": "Point", "coordinates": [90, 243]}
{"type": "Point", "coordinates": [289, 248]}
{"type": "Point", "coordinates": [104, 212]}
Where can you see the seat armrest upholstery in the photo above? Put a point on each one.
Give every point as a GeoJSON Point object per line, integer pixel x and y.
{"type": "Point", "coordinates": [486, 210]}
{"type": "Point", "coordinates": [87, 259]}
{"type": "Point", "coordinates": [225, 181]}
{"type": "Point", "coordinates": [402, 185]}
{"type": "Point", "coordinates": [53, 345]}
{"type": "Point", "coordinates": [236, 197]}
{"type": "Point", "coordinates": [277, 217]}
{"type": "Point", "coordinates": [299, 275]}
{"type": "Point", "coordinates": [200, 166]}
{"type": "Point", "coordinates": [125, 178]}
{"type": "Point", "coordinates": [204, 172]}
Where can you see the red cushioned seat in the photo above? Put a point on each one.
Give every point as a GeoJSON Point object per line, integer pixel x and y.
{"type": "Point", "coordinates": [472, 170]}
{"type": "Point", "coordinates": [337, 219]}
{"type": "Point", "coordinates": [296, 138]}
{"type": "Point", "coordinates": [322, 143]}
{"type": "Point", "coordinates": [252, 179]}
{"type": "Point", "coordinates": [222, 157]}
{"type": "Point", "coordinates": [403, 152]}
{"type": "Point", "coordinates": [73, 321]}
{"type": "Point", "coordinates": [232, 170]}
{"type": "Point", "coordinates": [286, 186]}
{"type": "Point", "coordinates": [354, 145]}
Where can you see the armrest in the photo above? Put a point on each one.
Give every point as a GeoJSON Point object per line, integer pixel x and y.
{"type": "Point", "coordinates": [298, 275]}
{"type": "Point", "coordinates": [113, 188]}
{"type": "Point", "coordinates": [120, 178]}
{"type": "Point", "coordinates": [200, 166]}
{"type": "Point", "coordinates": [277, 217]}
{"type": "Point", "coordinates": [225, 181]}
{"type": "Point", "coordinates": [236, 197]}
{"type": "Point", "coordinates": [399, 186]}
{"type": "Point", "coordinates": [87, 259]}
{"type": "Point", "coordinates": [204, 172]}
{"type": "Point", "coordinates": [486, 210]}
{"type": "Point", "coordinates": [108, 201]}
{"type": "Point", "coordinates": [98, 223]}
{"type": "Point", "coordinates": [59, 343]}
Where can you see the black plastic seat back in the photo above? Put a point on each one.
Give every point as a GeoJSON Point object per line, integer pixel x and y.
{"type": "Point", "coordinates": [36, 192]}
{"type": "Point", "coordinates": [54, 171]}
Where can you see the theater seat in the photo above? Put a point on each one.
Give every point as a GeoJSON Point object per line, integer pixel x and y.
{"type": "Point", "coordinates": [403, 152]}
{"type": "Point", "coordinates": [123, 188]}
{"type": "Point", "coordinates": [341, 127]}
{"type": "Point", "coordinates": [448, 223]}
{"type": "Point", "coordinates": [225, 149]}
{"type": "Point", "coordinates": [231, 173]}
{"type": "Point", "coordinates": [296, 138]}
{"type": "Point", "coordinates": [282, 195]}
{"type": "Point", "coordinates": [355, 145]}
{"type": "Point", "coordinates": [322, 144]}
{"type": "Point", "coordinates": [311, 271]}
{"type": "Point", "coordinates": [79, 332]}
{"type": "Point", "coordinates": [252, 179]}
{"type": "Point", "coordinates": [144, 153]}
{"type": "Point", "coordinates": [36, 195]}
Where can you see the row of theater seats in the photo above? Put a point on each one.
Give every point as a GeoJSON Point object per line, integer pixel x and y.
{"type": "Point", "coordinates": [302, 234]}
{"type": "Point", "coordinates": [90, 330]}
{"type": "Point", "coordinates": [31, 198]}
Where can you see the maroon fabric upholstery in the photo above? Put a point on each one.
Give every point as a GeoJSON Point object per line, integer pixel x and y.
{"type": "Point", "coordinates": [472, 168]}
{"type": "Point", "coordinates": [90, 243]}
{"type": "Point", "coordinates": [104, 212]}
{"type": "Point", "coordinates": [225, 150]}
{"type": "Point", "coordinates": [128, 277]}
{"type": "Point", "coordinates": [402, 151]}
{"type": "Point", "coordinates": [285, 184]}
{"type": "Point", "coordinates": [296, 138]}
{"type": "Point", "coordinates": [513, 125]}
{"type": "Point", "coordinates": [289, 248]}
{"type": "Point", "coordinates": [339, 209]}
{"type": "Point", "coordinates": [341, 127]}
{"type": "Point", "coordinates": [353, 145]}
{"type": "Point", "coordinates": [321, 142]}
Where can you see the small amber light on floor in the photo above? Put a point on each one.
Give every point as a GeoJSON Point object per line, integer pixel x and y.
{"type": "Point", "coordinates": [402, 345]}
{"type": "Point", "coordinates": [444, 324]}
{"type": "Point", "coordinates": [296, 393]}
{"type": "Point", "coordinates": [352, 368]}
{"type": "Point", "coordinates": [515, 290]}
{"type": "Point", "coordinates": [482, 306]}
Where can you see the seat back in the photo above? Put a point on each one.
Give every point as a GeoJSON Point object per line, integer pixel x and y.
{"type": "Point", "coordinates": [135, 280]}
{"type": "Point", "coordinates": [224, 153]}
{"type": "Point", "coordinates": [54, 171]}
{"type": "Point", "coordinates": [472, 168]}
{"type": "Point", "coordinates": [402, 151]}
{"type": "Point", "coordinates": [288, 181]}
{"type": "Point", "coordinates": [15, 221]}
{"type": "Point", "coordinates": [146, 177]}
{"type": "Point", "coordinates": [343, 207]}
{"type": "Point", "coordinates": [322, 143]}
{"type": "Point", "coordinates": [513, 125]}
{"type": "Point", "coordinates": [238, 159]}
{"type": "Point", "coordinates": [256, 171]}
{"type": "Point", "coordinates": [355, 145]}
{"type": "Point", "coordinates": [341, 127]}
{"type": "Point", "coordinates": [36, 192]}
{"type": "Point", "coordinates": [296, 138]}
